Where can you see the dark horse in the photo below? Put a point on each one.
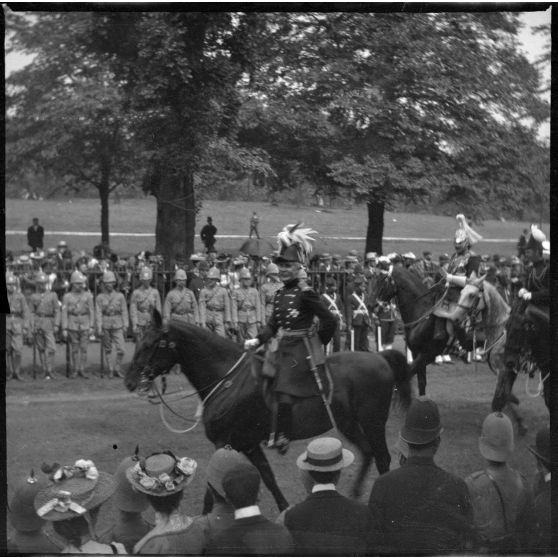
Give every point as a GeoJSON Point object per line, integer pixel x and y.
{"type": "Point", "coordinates": [527, 344]}
{"type": "Point", "coordinates": [236, 413]}
{"type": "Point", "coordinates": [416, 303]}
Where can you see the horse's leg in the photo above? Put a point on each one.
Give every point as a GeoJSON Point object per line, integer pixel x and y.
{"type": "Point", "coordinates": [419, 368]}
{"type": "Point", "coordinates": [259, 459]}
{"type": "Point", "coordinates": [207, 502]}
{"type": "Point", "coordinates": [355, 434]}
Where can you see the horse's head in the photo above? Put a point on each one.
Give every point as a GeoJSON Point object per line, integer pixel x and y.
{"type": "Point", "coordinates": [155, 356]}
{"type": "Point", "coordinates": [471, 299]}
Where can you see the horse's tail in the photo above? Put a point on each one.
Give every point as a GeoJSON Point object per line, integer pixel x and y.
{"type": "Point", "coordinates": [402, 375]}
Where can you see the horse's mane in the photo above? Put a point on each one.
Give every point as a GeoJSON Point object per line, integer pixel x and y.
{"type": "Point", "coordinates": [202, 341]}
{"type": "Point", "coordinates": [497, 310]}
{"type": "Point", "coordinates": [412, 281]}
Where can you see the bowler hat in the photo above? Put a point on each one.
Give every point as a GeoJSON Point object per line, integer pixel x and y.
{"type": "Point", "coordinates": [496, 439]}
{"type": "Point", "coordinates": [221, 462]}
{"type": "Point", "coordinates": [242, 483]}
{"type": "Point", "coordinates": [325, 454]}
{"type": "Point", "coordinates": [541, 449]}
{"type": "Point", "coordinates": [422, 422]}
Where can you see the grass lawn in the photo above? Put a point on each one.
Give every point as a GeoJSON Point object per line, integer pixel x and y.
{"type": "Point", "coordinates": [232, 218]}
{"type": "Point", "coordinates": [62, 420]}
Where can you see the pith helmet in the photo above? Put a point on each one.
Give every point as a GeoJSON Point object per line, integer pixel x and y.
{"type": "Point", "coordinates": [41, 277]}
{"type": "Point", "coordinates": [180, 275]}
{"type": "Point", "coordinates": [496, 439]}
{"type": "Point", "coordinates": [109, 277]}
{"type": "Point", "coordinates": [245, 274]}
{"type": "Point", "coordinates": [77, 277]}
{"type": "Point", "coordinates": [146, 274]}
{"type": "Point", "coordinates": [214, 273]}
{"type": "Point", "coordinates": [422, 422]}
{"type": "Point", "coordinates": [272, 269]}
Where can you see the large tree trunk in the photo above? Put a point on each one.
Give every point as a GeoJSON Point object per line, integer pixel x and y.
{"type": "Point", "coordinates": [176, 217]}
{"type": "Point", "coordinates": [375, 230]}
{"type": "Point", "coordinates": [104, 195]}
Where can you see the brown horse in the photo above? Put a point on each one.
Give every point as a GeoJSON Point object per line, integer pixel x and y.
{"type": "Point", "coordinates": [235, 412]}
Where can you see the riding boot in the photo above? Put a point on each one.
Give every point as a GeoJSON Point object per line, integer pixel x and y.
{"type": "Point", "coordinates": [16, 375]}
{"type": "Point", "coordinates": [284, 427]}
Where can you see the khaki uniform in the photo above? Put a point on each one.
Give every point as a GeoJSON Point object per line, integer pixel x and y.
{"type": "Point", "coordinates": [246, 311]}
{"type": "Point", "coordinates": [181, 305]}
{"type": "Point", "coordinates": [142, 303]}
{"type": "Point", "coordinates": [112, 319]}
{"type": "Point", "coordinates": [215, 309]}
{"type": "Point", "coordinates": [267, 294]}
{"type": "Point", "coordinates": [17, 325]}
{"type": "Point", "coordinates": [78, 317]}
{"type": "Point", "coordinates": [45, 319]}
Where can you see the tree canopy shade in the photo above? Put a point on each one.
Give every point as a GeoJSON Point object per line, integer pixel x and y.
{"type": "Point", "coordinates": [380, 107]}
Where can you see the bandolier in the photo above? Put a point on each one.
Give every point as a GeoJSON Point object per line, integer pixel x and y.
{"type": "Point", "coordinates": [45, 322]}
{"type": "Point", "coordinates": [17, 327]}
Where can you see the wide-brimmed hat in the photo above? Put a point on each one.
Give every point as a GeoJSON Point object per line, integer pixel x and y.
{"type": "Point", "coordinates": [325, 454]}
{"type": "Point", "coordinates": [496, 439]}
{"type": "Point", "coordinates": [541, 449]}
{"type": "Point", "coordinates": [75, 489]}
{"type": "Point", "coordinates": [422, 422]}
{"type": "Point", "coordinates": [221, 462]}
{"type": "Point", "coordinates": [126, 498]}
{"type": "Point", "coordinates": [162, 474]}
{"type": "Point", "coordinates": [23, 516]}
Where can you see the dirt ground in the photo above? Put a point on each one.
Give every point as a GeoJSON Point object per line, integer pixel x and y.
{"type": "Point", "coordinates": [62, 420]}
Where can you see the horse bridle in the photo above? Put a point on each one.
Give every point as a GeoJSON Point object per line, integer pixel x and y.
{"type": "Point", "coordinates": [473, 309]}
{"type": "Point", "coordinates": [147, 372]}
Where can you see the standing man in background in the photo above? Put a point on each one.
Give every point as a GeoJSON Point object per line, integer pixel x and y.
{"type": "Point", "coordinates": [246, 308]}
{"type": "Point", "coordinates": [207, 235]}
{"type": "Point", "coordinates": [334, 304]}
{"type": "Point", "coordinates": [215, 305]}
{"type": "Point", "coordinates": [180, 303]}
{"type": "Point", "coordinates": [35, 235]}
{"type": "Point", "coordinates": [17, 326]}
{"type": "Point", "coordinates": [268, 290]}
{"type": "Point", "coordinates": [254, 221]}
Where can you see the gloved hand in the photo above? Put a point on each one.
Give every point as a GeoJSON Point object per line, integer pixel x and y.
{"type": "Point", "coordinates": [526, 295]}
{"type": "Point", "coordinates": [251, 344]}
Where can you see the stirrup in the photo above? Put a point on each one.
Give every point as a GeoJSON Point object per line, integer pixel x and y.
{"type": "Point", "coordinates": [282, 444]}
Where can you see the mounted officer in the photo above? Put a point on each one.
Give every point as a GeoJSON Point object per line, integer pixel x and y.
{"type": "Point", "coordinates": [246, 307]}
{"type": "Point", "coordinates": [17, 327]}
{"type": "Point", "coordinates": [215, 305]}
{"type": "Point", "coordinates": [296, 341]}
{"type": "Point", "coordinates": [463, 265]}
{"type": "Point", "coordinates": [143, 301]}
{"type": "Point", "coordinates": [45, 322]}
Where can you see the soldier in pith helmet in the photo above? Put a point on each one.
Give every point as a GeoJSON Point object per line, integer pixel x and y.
{"type": "Point", "coordinates": [215, 304]}
{"type": "Point", "coordinates": [17, 327]}
{"type": "Point", "coordinates": [143, 301]}
{"type": "Point", "coordinates": [246, 307]}
{"type": "Point", "coordinates": [268, 290]}
{"type": "Point", "coordinates": [180, 303]}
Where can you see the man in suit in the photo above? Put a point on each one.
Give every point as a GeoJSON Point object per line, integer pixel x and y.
{"type": "Point", "coordinates": [251, 534]}
{"type": "Point", "coordinates": [35, 235]}
{"type": "Point", "coordinates": [327, 523]}
{"type": "Point", "coordinates": [420, 508]}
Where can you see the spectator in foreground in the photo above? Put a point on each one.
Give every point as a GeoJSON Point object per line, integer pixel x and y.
{"type": "Point", "coordinates": [500, 497]}
{"type": "Point", "coordinates": [30, 536]}
{"type": "Point", "coordinates": [251, 533]}
{"type": "Point", "coordinates": [35, 235]}
{"type": "Point", "coordinates": [542, 532]}
{"type": "Point", "coordinates": [327, 523]}
{"type": "Point", "coordinates": [72, 502]}
{"type": "Point", "coordinates": [129, 526]}
{"type": "Point", "coordinates": [163, 478]}
{"type": "Point", "coordinates": [420, 508]}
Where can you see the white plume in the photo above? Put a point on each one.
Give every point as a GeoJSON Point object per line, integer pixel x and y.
{"type": "Point", "coordinates": [537, 234]}
{"type": "Point", "coordinates": [295, 234]}
{"type": "Point", "coordinates": [472, 235]}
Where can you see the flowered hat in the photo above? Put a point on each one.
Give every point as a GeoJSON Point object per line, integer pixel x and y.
{"type": "Point", "coordinates": [23, 516]}
{"type": "Point", "coordinates": [162, 474]}
{"type": "Point", "coordinates": [74, 490]}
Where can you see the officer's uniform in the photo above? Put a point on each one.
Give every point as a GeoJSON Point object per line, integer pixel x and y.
{"type": "Point", "coordinates": [112, 321]}
{"type": "Point", "coordinates": [46, 319]}
{"type": "Point", "coordinates": [538, 284]}
{"type": "Point", "coordinates": [142, 303]}
{"type": "Point", "coordinates": [17, 325]}
{"type": "Point", "coordinates": [181, 305]}
{"type": "Point", "coordinates": [246, 311]}
{"type": "Point", "coordinates": [215, 309]}
{"type": "Point", "coordinates": [78, 318]}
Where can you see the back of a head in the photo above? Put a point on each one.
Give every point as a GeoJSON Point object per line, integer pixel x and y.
{"type": "Point", "coordinates": [422, 426]}
{"type": "Point", "coordinates": [241, 485]}
{"type": "Point", "coordinates": [221, 462]}
{"type": "Point", "coordinates": [126, 498]}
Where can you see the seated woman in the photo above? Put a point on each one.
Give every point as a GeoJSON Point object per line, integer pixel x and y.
{"type": "Point", "coordinates": [162, 478]}
{"type": "Point", "coordinates": [72, 502]}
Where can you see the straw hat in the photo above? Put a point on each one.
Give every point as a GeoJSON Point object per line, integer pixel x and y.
{"type": "Point", "coordinates": [75, 489]}
{"type": "Point", "coordinates": [161, 474]}
{"type": "Point", "coordinates": [23, 516]}
{"type": "Point", "coordinates": [325, 454]}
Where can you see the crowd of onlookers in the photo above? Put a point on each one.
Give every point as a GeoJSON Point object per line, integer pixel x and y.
{"type": "Point", "coordinates": [417, 508]}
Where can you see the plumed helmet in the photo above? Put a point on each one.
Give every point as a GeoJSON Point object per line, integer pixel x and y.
{"type": "Point", "coordinates": [272, 269]}
{"type": "Point", "coordinates": [11, 279]}
{"type": "Point", "coordinates": [536, 239]}
{"type": "Point", "coordinates": [295, 243]}
{"type": "Point", "coordinates": [77, 277]}
{"type": "Point", "coordinates": [464, 233]}
{"type": "Point", "coordinates": [422, 422]}
{"type": "Point", "coordinates": [41, 277]}
{"type": "Point", "coordinates": [496, 439]}
{"type": "Point", "coordinates": [214, 273]}
{"type": "Point", "coordinates": [109, 277]}
{"type": "Point", "coordinates": [180, 275]}
{"type": "Point", "coordinates": [245, 274]}
{"type": "Point", "coordinates": [146, 274]}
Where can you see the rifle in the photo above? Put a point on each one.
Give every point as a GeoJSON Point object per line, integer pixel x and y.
{"type": "Point", "coordinates": [102, 338]}
{"type": "Point", "coordinates": [68, 355]}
